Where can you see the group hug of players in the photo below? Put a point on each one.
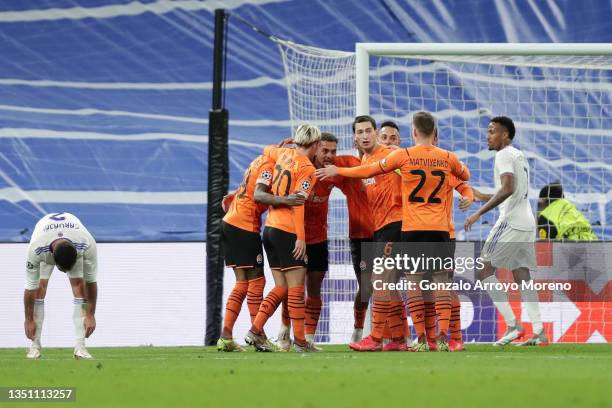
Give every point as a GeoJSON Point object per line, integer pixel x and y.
{"type": "Point", "coordinates": [393, 195]}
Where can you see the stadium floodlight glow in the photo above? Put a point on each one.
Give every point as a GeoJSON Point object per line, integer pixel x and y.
{"type": "Point", "coordinates": [363, 51]}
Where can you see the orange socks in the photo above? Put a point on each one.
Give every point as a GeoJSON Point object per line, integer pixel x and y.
{"type": "Point", "coordinates": [233, 306]}
{"type": "Point", "coordinates": [296, 312]}
{"type": "Point", "coordinates": [360, 316]}
{"type": "Point", "coordinates": [313, 311]}
{"type": "Point", "coordinates": [455, 318]}
{"type": "Point", "coordinates": [255, 295]}
{"type": "Point", "coordinates": [405, 328]}
{"type": "Point", "coordinates": [417, 311]}
{"type": "Point", "coordinates": [268, 307]}
{"type": "Point", "coordinates": [395, 320]}
{"type": "Point", "coordinates": [430, 318]}
{"type": "Point", "coordinates": [443, 310]}
{"type": "Point", "coordinates": [285, 314]}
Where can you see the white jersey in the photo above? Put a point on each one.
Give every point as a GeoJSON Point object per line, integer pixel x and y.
{"type": "Point", "coordinates": [40, 260]}
{"type": "Point", "coordinates": [515, 210]}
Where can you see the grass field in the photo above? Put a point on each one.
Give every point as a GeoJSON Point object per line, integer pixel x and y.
{"type": "Point", "coordinates": [554, 376]}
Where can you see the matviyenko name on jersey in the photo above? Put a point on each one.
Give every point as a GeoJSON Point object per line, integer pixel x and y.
{"type": "Point", "coordinates": [61, 225]}
{"type": "Point", "coordinates": [423, 162]}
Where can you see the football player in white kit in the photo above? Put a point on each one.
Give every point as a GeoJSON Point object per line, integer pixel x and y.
{"type": "Point", "coordinates": [61, 240]}
{"type": "Point", "coordinates": [511, 242]}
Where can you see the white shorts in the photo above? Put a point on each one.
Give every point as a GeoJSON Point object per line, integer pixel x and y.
{"type": "Point", "coordinates": [510, 248]}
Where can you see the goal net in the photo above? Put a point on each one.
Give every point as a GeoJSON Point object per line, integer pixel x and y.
{"type": "Point", "coordinates": [560, 98]}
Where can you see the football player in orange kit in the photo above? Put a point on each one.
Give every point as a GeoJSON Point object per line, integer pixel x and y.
{"type": "Point", "coordinates": [242, 243]}
{"type": "Point", "coordinates": [426, 170]}
{"type": "Point", "coordinates": [385, 204]}
{"type": "Point", "coordinates": [315, 220]}
{"type": "Point", "coordinates": [456, 340]}
{"type": "Point", "coordinates": [284, 236]}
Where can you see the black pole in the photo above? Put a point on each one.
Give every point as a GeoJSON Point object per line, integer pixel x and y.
{"type": "Point", "coordinates": [218, 181]}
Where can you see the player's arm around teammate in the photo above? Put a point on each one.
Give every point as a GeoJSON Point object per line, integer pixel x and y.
{"type": "Point", "coordinates": [284, 236]}
{"type": "Point", "coordinates": [242, 243]}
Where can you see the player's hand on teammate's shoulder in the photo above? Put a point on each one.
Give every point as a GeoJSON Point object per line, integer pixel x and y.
{"type": "Point", "coordinates": [465, 203]}
{"type": "Point", "coordinates": [295, 199]}
{"type": "Point", "coordinates": [90, 325]}
{"type": "Point", "coordinates": [326, 172]}
{"type": "Point", "coordinates": [299, 251]}
{"type": "Point", "coordinates": [285, 142]}
{"type": "Point", "coordinates": [30, 329]}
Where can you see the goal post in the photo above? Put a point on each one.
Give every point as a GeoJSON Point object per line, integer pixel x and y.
{"type": "Point", "coordinates": [560, 98]}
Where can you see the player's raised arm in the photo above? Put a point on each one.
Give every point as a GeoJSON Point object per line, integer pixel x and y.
{"type": "Point", "coordinates": [458, 169]}
{"type": "Point", "coordinates": [389, 163]}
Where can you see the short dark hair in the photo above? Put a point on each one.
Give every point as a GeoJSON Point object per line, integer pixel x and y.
{"type": "Point", "coordinates": [507, 123]}
{"type": "Point", "coordinates": [424, 123]}
{"type": "Point", "coordinates": [552, 191]}
{"type": "Point", "coordinates": [64, 254]}
{"type": "Point", "coordinates": [328, 137]}
{"type": "Point", "coordinates": [389, 123]}
{"type": "Point", "coordinates": [364, 118]}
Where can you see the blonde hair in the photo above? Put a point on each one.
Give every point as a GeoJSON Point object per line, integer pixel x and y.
{"type": "Point", "coordinates": [305, 135]}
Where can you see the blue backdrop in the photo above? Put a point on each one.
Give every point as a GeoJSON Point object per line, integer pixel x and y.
{"type": "Point", "coordinates": [104, 104]}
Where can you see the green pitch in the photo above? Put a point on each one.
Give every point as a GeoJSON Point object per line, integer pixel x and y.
{"type": "Point", "coordinates": [554, 376]}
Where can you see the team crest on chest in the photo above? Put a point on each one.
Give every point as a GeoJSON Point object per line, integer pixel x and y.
{"type": "Point", "coordinates": [305, 185]}
{"type": "Point", "coordinates": [266, 175]}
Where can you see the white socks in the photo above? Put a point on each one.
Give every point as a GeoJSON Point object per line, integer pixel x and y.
{"type": "Point", "coordinates": [532, 304]}
{"type": "Point", "coordinates": [39, 317]}
{"type": "Point", "coordinates": [500, 300]}
{"type": "Point", "coordinates": [78, 318]}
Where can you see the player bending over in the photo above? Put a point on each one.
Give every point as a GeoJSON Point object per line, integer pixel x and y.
{"type": "Point", "coordinates": [510, 243]}
{"type": "Point", "coordinates": [61, 240]}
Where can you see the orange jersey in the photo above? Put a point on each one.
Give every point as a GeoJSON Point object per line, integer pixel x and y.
{"type": "Point", "coordinates": [244, 212]}
{"type": "Point", "coordinates": [317, 205]}
{"type": "Point", "coordinates": [462, 188]}
{"type": "Point", "coordinates": [384, 191]}
{"type": "Point", "coordinates": [293, 173]}
{"type": "Point", "coordinates": [360, 220]}
{"type": "Point", "coordinates": [425, 176]}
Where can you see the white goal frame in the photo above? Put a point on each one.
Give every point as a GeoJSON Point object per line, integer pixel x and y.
{"type": "Point", "coordinates": [363, 51]}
